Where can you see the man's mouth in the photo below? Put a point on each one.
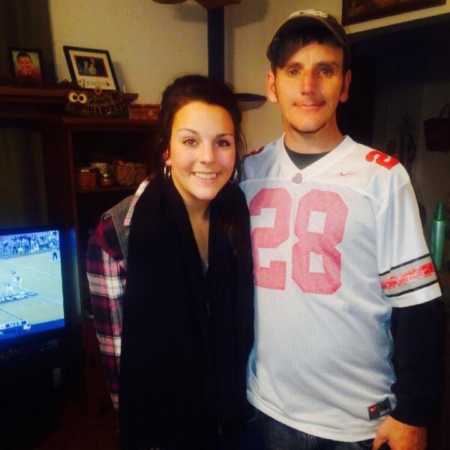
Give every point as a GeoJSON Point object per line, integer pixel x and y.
{"type": "Point", "coordinates": [310, 105]}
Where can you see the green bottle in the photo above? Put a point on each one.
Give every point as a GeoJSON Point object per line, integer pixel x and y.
{"type": "Point", "coordinates": [438, 235]}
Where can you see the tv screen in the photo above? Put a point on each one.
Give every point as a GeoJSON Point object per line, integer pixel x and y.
{"type": "Point", "coordinates": [31, 284]}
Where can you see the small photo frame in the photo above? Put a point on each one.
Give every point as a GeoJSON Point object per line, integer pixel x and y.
{"type": "Point", "coordinates": [91, 68]}
{"type": "Point", "coordinates": [26, 65]}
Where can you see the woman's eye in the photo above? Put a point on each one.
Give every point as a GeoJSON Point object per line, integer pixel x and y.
{"type": "Point", "coordinates": [191, 142]}
{"type": "Point", "coordinates": [224, 143]}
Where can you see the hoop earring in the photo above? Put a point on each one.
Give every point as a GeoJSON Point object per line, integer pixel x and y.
{"type": "Point", "coordinates": [166, 171]}
{"type": "Point", "coordinates": [235, 177]}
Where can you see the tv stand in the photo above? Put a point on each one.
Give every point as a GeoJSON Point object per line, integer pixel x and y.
{"type": "Point", "coordinates": [29, 409]}
{"type": "Point", "coordinates": [36, 354]}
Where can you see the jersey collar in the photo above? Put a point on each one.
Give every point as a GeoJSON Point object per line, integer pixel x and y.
{"type": "Point", "coordinates": [290, 170]}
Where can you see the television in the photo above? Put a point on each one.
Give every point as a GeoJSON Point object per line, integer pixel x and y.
{"type": "Point", "coordinates": [32, 285]}
{"type": "Point", "coordinates": [40, 343]}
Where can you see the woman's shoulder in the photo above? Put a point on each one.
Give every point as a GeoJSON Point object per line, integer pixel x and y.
{"type": "Point", "coordinates": [231, 202]}
{"type": "Point", "coordinates": [105, 238]}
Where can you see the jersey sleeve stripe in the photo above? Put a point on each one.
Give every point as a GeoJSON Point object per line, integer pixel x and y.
{"type": "Point", "coordinates": [408, 277]}
{"type": "Point", "coordinates": [404, 264]}
{"type": "Point", "coordinates": [414, 289]}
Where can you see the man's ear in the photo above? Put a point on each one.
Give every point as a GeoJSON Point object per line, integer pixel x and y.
{"type": "Point", "coordinates": [271, 88]}
{"type": "Point", "coordinates": [346, 86]}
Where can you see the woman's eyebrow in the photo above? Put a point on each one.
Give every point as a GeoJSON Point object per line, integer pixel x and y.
{"type": "Point", "coordinates": [189, 130]}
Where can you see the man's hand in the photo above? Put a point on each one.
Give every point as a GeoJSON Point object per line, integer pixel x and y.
{"type": "Point", "coordinates": [400, 436]}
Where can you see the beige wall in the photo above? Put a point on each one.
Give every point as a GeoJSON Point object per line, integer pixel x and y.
{"type": "Point", "coordinates": [149, 43]}
{"type": "Point", "coordinates": [249, 27]}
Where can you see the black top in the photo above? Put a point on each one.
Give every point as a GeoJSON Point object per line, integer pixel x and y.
{"type": "Point", "coordinates": [303, 160]}
{"type": "Point", "coordinates": [186, 334]}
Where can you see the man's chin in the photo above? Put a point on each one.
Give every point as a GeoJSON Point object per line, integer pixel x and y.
{"type": "Point", "coordinates": [309, 130]}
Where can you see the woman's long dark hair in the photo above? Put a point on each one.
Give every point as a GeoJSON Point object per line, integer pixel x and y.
{"type": "Point", "coordinates": [198, 88]}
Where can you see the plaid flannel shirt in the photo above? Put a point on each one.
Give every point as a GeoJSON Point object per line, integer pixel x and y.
{"type": "Point", "coordinates": [107, 274]}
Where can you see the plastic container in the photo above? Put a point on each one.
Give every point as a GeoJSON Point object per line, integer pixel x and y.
{"type": "Point", "coordinates": [106, 179]}
{"type": "Point", "coordinates": [438, 229]}
{"type": "Point", "coordinates": [86, 179]}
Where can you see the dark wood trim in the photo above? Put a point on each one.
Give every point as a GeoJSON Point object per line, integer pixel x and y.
{"type": "Point", "coordinates": [112, 124]}
{"type": "Point", "coordinates": [398, 27]}
{"type": "Point", "coordinates": [377, 12]}
{"type": "Point", "coordinates": [39, 103]}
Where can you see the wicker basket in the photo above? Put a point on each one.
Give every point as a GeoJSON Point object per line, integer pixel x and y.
{"type": "Point", "coordinates": [129, 173]}
{"type": "Point", "coordinates": [437, 131]}
{"type": "Point", "coordinates": [124, 173]}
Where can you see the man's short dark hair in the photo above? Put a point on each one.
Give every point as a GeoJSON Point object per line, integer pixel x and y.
{"type": "Point", "coordinates": [303, 28]}
{"type": "Point", "coordinates": [22, 55]}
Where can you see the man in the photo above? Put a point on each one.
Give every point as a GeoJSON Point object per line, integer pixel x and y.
{"type": "Point", "coordinates": [25, 68]}
{"type": "Point", "coordinates": [343, 274]}
{"type": "Point", "coordinates": [89, 67]}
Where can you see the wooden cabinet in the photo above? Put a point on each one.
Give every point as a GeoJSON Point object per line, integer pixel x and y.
{"type": "Point", "coordinates": [70, 143]}
{"type": "Point", "coordinates": [89, 141]}
{"type": "Point", "coordinates": [67, 143]}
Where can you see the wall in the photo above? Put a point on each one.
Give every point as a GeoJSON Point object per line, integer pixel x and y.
{"type": "Point", "coordinates": [149, 43]}
{"type": "Point", "coordinates": [412, 85]}
{"type": "Point", "coordinates": [432, 170]}
{"type": "Point", "coordinates": [249, 27]}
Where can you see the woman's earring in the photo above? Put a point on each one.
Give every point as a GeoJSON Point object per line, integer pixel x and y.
{"type": "Point", "coordinates": [235, 177]}
{"type": "Point", "coordinates": [166, 168]}
{"type": "Point", "coordinates": [166, 171]}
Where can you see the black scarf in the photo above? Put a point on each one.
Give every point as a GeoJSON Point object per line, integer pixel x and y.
{"type": "Point", "coordinates": [186, 334]}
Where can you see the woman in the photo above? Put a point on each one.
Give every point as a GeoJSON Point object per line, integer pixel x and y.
{"type": "Point", "coordinates": [187, 323]}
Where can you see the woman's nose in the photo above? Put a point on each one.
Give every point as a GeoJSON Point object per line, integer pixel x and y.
{"type": "Point", "coordinates": [207, 152]}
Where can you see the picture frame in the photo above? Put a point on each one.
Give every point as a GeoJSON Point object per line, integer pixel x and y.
{"type": "Point", "coordinates": [91, 68]}
{"type": "Point", "coordinates": [26, 65]}
{"type": "Point", "coordinates": [354, 11]}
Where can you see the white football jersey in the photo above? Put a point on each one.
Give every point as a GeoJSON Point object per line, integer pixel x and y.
{"type": "Point", "coordinates": [336, 246]}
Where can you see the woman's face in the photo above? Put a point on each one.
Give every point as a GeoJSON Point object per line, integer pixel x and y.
{"type": "Point", "coordinates": [202, 152]}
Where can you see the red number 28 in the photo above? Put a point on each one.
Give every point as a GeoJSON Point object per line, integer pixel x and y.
{"type": "Point", "coordinates": [320, 242]}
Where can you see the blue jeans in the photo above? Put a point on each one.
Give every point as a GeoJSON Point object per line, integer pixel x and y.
{"type": "Point", "coordinates": [277, 436]}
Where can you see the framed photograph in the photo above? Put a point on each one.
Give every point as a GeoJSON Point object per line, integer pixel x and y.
{"type": "Point", "coordinates": [26, 65]}
{"type": "Point", "coordinates": [354, 11]}
{"type": "Point", "coordinates": [91, 68]}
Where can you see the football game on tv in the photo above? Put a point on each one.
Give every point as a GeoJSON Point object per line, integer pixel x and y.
{"type": "Point", "coordinates": [31, 285]}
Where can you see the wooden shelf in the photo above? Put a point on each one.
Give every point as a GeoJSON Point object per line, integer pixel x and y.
{"type": "Point", "coordinates": [18, 94]}
{"type": "Point", "coordinates": [107, 123]}
{"type": "Point", "coordinates": [48, 104]}
{"type": "Point", "coordinates": [104, 190]}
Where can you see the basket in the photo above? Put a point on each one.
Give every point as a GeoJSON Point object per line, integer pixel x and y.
{"type": "Point", "coordinates": [129, 173]}
{"type": "Point", "coordinates": [437, 131]}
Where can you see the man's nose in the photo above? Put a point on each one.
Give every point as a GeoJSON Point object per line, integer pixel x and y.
{"type": "Point", "coordinates": [308, 81]}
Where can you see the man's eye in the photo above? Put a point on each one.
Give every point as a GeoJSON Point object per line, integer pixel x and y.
{"type": "Point", "coordinates": [293, 71]}
{"type": "Point", "coordinates": [327, 71]}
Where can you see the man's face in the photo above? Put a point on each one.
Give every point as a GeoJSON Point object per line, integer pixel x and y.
{"type": "Point", "coordinates": [25, 65]}
{"type": "Point", "coordinates": [309, 88]}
